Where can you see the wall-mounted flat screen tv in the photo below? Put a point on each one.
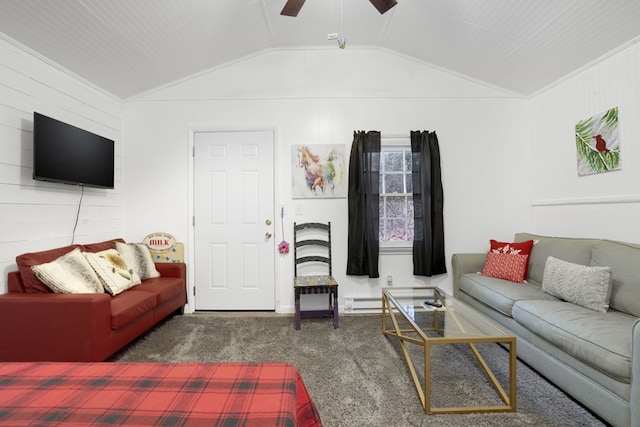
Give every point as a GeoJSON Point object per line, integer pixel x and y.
{"type": "Point", "coordinates": [70, 155]}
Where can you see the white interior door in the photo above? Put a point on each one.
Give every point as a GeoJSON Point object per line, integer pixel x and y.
{"type": "Point", "coordinates": [234, 208]}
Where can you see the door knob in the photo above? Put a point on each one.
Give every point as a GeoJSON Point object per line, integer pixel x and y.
{"type": "Point", "coordinates": [268, 222]}
{"type": "Point", "coordinates": [267, 235]}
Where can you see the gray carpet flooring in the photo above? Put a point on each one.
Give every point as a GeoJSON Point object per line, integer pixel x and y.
{"type": "Point", "coordinates": [357, 376]}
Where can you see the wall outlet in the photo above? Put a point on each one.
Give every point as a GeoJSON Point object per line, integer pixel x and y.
{"type": "Point", "coordinates": [389, 280]}
{"type": "Point", "coordinates": [299, 210]}
{"type": "Point", "coordinates": [348, 304]}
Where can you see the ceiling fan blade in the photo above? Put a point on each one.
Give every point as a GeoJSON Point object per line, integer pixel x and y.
{"type": "Point", "coordinates": [292, 7]}
{"type": "Point", "coordinates": [383, 5]}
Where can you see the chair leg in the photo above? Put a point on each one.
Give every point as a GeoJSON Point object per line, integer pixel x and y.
{"type": "Point", "coordinates": [335, 308]}
{"type": "Point", "coordinates": [297, 302]}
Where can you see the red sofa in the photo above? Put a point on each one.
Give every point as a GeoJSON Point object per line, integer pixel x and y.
{"type": "Point", "coordinates": [39, 325]}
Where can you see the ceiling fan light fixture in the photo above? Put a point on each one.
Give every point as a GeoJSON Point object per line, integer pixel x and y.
{"type": "Point", "coordinates": [383, 5]}
{"type": "Point", "coordinates": [292, 8]}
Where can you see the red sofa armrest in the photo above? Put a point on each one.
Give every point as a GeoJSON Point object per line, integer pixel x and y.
{"type": "Point", "coordinates": [172, 269]}
{"type": "Point", "coordinates": [54, 327]}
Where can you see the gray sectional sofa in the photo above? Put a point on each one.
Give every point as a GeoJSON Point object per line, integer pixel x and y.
{"type": "Point", "coordinates": [593, 356]}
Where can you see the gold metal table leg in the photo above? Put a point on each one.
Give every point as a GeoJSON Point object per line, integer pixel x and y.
{"type": "Point", "coordinates": [412, 336]}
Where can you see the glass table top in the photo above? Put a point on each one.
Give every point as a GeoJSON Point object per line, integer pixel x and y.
{"type": "Point", "coordinates": [438, 315]}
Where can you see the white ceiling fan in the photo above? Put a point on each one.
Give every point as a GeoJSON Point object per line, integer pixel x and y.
{"type": "Point", "coordinates": [292, 7]}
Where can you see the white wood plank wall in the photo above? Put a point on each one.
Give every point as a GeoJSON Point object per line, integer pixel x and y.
{"type": "Point", "coordinates": [603, 205]}
{"type": "Point", "coordinates": [36, 215]}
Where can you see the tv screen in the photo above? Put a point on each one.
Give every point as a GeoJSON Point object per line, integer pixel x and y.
{"type": "Point", "coordinates": [67, 154]}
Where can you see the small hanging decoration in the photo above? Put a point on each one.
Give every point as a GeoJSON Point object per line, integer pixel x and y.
{"type": "Point", "coordinates": [283, 247]}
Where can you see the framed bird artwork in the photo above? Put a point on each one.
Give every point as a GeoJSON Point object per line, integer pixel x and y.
{"type": "Point", "coordinates": [598, 143]}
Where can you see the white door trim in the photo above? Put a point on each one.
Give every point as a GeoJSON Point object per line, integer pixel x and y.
{"type": "Point", "coordinates": [190, 245]}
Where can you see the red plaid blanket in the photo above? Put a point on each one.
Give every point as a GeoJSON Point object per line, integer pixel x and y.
{"type": "Point", "coordinates": [154, 394]}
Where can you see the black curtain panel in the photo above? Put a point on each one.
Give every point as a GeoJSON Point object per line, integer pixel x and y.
{"type": "Point", "coordinates": [364, 201]}
{"type": "Point", "coordinates": [428, 238]}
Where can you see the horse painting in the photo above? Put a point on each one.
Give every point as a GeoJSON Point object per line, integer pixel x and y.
{"type": "Point", "coordinates": [321, 173]}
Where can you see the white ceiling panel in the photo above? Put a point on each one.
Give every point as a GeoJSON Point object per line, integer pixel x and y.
{"type": "Point", "coordinates": [357, 20]}
{"type": "Point", "coordinates": [128, 47]}
{"type": "Point", "coordinates": [569, 42]}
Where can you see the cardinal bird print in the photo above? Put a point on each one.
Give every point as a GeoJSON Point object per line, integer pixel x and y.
{"type": "Point", "coordinates": [601, 144]}
{"type": "Point", "coordinates": [598, 143]}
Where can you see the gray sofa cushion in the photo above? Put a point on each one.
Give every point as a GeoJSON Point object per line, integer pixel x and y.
{"type": "Point", "coordinates": [624, 260]}
{"type": "Point", "coordinates": [573, 250]}
{"type": "Point", "coordinates": [500, 294]}
{"type": "Point", "coordinates": [600, 340]}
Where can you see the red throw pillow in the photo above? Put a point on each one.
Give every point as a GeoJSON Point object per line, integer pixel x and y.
{"type": "Point", "coordinates": [509, 261]}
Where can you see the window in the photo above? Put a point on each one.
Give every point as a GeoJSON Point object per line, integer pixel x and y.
{"type": "Point", "coordinates": [396, 194]}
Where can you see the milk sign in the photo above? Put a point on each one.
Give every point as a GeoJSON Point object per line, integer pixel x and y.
{"type": "Point", "coordinates": [160, 242]}
{"type": "Point", "coordinates": [163, 247]}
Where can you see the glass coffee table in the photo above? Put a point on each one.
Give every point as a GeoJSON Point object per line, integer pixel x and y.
{"type": "Point", "coordinates": [426, 317]}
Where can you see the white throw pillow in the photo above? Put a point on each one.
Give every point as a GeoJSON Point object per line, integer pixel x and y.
{"type": "Point", "coordinates": [589, 287]}
{"type": "Point", "coordinates": [139, 258]}
{"type": "Point", "coordinates": [69, 274]}
{"type": "Point", "coordinates": [113, 271]}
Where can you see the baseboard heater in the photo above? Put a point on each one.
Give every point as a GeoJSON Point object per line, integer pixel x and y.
{"type": "Point", "coordinates": [362, 305]}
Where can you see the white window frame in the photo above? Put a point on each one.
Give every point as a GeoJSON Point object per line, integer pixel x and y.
{"type": "Point", "coordinates": [392, 144]}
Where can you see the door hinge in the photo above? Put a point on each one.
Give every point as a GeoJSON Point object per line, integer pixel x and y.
{"type": "Point", "coordinates": [194, 291]}
{"type": "Point", "coordinates": [193, 151]}
{"type": "Point", "coordinates": [193, 221]}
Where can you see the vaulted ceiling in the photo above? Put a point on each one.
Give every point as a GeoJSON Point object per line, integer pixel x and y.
{"type": "Point", "coordinates": [128, 47]}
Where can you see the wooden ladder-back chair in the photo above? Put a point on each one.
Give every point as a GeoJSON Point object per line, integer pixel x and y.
{"type": "Point", "coordinates": [311, 256]}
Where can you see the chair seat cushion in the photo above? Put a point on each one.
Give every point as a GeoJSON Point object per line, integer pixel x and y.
{"type": "Point", "coordinates": [307, 281]}
{"type": "Point", "coordinates": [598, 339]}
{"type": "Point", "coordinates": [500, 294]}
{"type": "Point", "coordinates": [164, 288]}
{"type": "Point", "coordinates": [129, 306]}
